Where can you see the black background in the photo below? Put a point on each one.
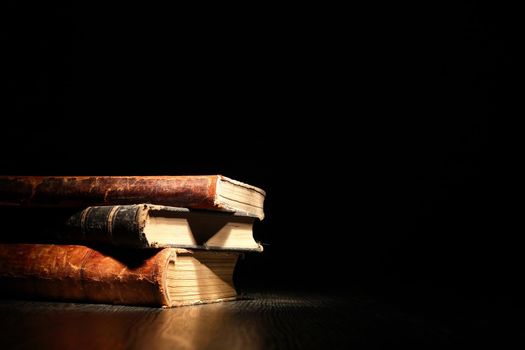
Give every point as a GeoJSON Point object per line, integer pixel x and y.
{"type": "Point", "coordinates": [368, 128]}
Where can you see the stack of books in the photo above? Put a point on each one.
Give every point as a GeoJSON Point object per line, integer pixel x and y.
{"type": "Point", "coordinates": [131, 240]}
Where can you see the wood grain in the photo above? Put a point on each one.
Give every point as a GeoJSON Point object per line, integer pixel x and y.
{"type": "Point", "coordinates": [259, 321]}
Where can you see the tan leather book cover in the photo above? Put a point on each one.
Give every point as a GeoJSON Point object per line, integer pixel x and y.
{"type": "Point", "coordinates": [128, 277]}
{"type": "Point", "coordinates": [213, 192]}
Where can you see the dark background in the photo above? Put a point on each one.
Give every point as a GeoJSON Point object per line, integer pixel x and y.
{"type": "Point", "coordinates": [367, 127]}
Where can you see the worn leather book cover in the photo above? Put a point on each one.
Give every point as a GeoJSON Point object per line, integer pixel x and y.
{"type": "Point", "coordinates": [153, 277]}
{"type": "Point", "coordinates": [212, 192]}
{"type": "Point", "coordinates": [131, 226]}
{"type": "Point", "coordinates": [149, 225]}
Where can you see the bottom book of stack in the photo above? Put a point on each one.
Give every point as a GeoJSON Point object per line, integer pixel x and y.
{"type": "Point", "coordinates": [165, 277]}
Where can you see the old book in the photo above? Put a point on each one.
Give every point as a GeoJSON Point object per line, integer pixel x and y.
{"type": "Point", "coordinates": [212, 192]}
{"type": "Point", "coordinates": [156, 277]}
{"type": "Point", "coordinates": [147, 225]}
{"type": "Point", "coordinates": [135, 226]}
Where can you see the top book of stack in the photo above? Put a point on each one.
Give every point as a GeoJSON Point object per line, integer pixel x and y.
{"type": "Point", "coordinates": [211, 192]}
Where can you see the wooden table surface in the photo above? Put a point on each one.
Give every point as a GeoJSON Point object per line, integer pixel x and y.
{"type": "Point", "coordinates": [258, 321]}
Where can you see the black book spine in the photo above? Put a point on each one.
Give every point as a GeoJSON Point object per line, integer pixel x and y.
{"type": "Point", "coordinates": [120, 225]}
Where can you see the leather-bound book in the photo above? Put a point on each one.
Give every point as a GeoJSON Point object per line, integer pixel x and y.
{"type": "Point", "coordinates": [131, 226]}
{"type": "Point", "coordinates": [212, 192]}
{"type": "Point", "coordinates": [151, 277]}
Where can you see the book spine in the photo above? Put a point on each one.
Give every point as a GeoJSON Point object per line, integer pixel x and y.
{"type": "Point", "coordinates": [120, 225]}
{"type": "Point", "coordinates": [80, 191]}
{"type": "Point", "coordinates": [81, 274]}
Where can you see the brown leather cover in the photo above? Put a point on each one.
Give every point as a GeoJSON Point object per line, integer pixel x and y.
{"type": "Point", "coordinates": [79, 273]}
{"type": "Point", "coordinates": [198, 191]}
